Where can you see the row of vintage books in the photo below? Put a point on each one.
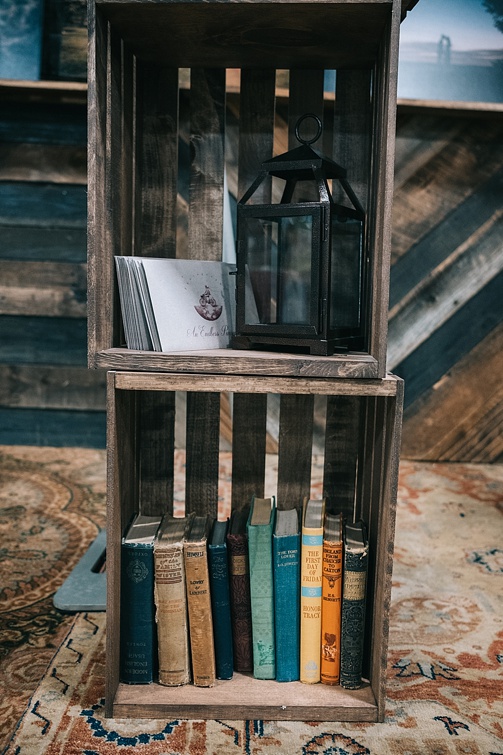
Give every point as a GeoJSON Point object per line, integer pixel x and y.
{"type": "Point", "coordinates": [260, 593]}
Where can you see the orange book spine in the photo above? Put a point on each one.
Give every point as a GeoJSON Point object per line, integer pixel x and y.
{"type": "Point", "coordinates": [331, 612]}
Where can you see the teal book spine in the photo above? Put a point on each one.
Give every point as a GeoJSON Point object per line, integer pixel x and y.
{"type": "Point", "coordinates": [221, 610]}
{"type": "Point", "coordinates": [262, 596]}
{"type": "Point", "coordinates": [286, 571]}
{"type": "Point", "coordinates": [138, 645]}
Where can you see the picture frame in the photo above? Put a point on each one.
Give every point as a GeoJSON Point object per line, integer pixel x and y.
{"type": "Point", "coordinates": [452, 50]}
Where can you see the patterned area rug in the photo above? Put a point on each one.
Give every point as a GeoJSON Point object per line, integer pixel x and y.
{"type": "Point", "coordinates": [445, 681]}
{"type": "Point", "coordinates": [52, 505]}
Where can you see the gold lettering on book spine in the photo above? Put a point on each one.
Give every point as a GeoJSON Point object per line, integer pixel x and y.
{"type": "Point", "coordinates": [239, 565]}
{"type": "Point", "coordinates": [354, 585]}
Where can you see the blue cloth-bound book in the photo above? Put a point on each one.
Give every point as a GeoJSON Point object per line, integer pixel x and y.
{"type": "Point", "coordinates": [260, 528]}
{"type": "Point", "coordinates": [220, 600]}
{"type": "Point", "coordinates": [286, 570]}
{"type": "Point", "coordinates": [354, 585]}
{"type": "Point", "coordinates": [138, 648]}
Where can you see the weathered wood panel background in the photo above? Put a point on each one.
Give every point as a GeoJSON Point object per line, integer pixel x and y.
{"type": "Point", "coordinates": [446, 313]}
{"type": "Point", "coordinates": [446, 297]}
{"type": "Point", "coordinates": [47, 394]}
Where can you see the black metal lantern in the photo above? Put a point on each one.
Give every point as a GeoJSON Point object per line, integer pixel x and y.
{"type": "Point", "coordinates": [300, 268]}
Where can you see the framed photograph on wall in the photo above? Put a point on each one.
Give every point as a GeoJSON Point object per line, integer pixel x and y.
{"type": "Point", "coordinates": [452, 50]}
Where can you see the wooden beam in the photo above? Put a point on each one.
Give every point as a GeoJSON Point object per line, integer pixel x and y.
{"type": "Point", "coordinates": [45, 289]}
{"type": "Point", "coordinates": [446, 290]}
{"type": "Point", "coordinates": [48, 387]}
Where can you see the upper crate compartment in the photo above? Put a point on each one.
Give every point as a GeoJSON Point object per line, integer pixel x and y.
{"type": "Point", "coordinates": [186, 100]}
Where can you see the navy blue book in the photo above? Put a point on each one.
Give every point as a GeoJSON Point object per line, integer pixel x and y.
{"type": "Point", "coordinates": [286, 571]}
{"type": "Point", "coordinates": [354, 585]}
{"type": "Point", "coordinates": [138, 647]}
{"type": "Point", "coordinates": [220, 600]}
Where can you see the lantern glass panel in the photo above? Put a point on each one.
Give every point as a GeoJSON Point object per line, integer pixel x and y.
{"type": "Point", "coordinates": [346, 273]}
{"type": "Point", "coordinates": [278, 261]}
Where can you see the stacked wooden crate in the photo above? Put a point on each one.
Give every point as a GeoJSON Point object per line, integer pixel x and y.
{"type": "Point", "coordinates": [137, 52]}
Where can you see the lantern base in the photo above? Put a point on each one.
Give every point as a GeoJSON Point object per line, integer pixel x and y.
{"type": "Point", "coordinates": [292, 345]}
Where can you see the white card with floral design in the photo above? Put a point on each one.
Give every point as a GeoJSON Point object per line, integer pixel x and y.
{"type": "Point", "coordinates": [187, 305]}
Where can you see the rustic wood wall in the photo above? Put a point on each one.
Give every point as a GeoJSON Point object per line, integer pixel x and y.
{"type": "Point", "coordinates": [47, 395]}
{"type": "Point", "coordinates": [446, 298]}
{"type": "Point", "coordinates": [446, 314]}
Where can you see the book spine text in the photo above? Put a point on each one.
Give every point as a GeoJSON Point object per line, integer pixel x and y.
{"type": "Point", "coordinates": [200, 619]}
{"type": "Point", "coordinates": [171, 615]}
{"type": "Point", "coordinates": [353, 618]}
{"type": "Point", "coordinates": [221, 610]}
{"type": "Point", "coordinates": [138, 636]}
{"type": "Point", "coordinates": [310, 605]}
{"type": "Point", "coordinates": [286, 558]}
{"type": "Point", "coordinates": [331, 612]}
{"type": "Point", "coordinates": [239, 583]}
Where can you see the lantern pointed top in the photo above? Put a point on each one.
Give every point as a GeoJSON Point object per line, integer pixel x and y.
{"type": "Point", "coordinates": [304, 159]}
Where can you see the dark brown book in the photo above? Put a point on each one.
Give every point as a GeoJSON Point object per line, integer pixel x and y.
{"type": "Point", "coordinates": [239, 583]}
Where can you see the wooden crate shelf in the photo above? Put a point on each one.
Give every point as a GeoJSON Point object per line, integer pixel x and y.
{"type": "Point", "coordinates": [183, 95]}
{"type": "Point", "coordinates": [246, 697]}
{"type": "Point", "coordinates": [229, 362]}
{"type": "Point", "coordinates": [361, 424]}
{"type": "Point", "coordinates": [143, 119]}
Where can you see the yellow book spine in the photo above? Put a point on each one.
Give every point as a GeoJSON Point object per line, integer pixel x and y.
{"type": "Point", "coordinates": [310, 605]}
{"type": "Point", "coordinates": [331, 612]}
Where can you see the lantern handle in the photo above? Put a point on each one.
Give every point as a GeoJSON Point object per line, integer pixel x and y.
{"type": "Point", "coordinates": [318, 132]}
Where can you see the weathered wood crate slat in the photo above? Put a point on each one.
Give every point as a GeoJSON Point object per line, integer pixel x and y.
{"type": "Point", "coordinates": [141, 201]}
{"type": "Point", "coordinates": [360, 471]}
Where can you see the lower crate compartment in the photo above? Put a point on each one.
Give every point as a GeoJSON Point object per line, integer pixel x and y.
{"type": "Point", "coordinates": [339, 438]}
{"type": "Point", "coordinates": [244, 697]}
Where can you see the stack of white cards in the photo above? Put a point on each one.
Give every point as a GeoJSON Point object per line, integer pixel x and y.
{"type": "Point", "coordinates": [176, 305]}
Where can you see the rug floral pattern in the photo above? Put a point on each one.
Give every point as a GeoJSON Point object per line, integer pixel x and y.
{"type": "Point", "coordinates": [445, 670]}
{"type": "Point", "coordinates": [51, 508]}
